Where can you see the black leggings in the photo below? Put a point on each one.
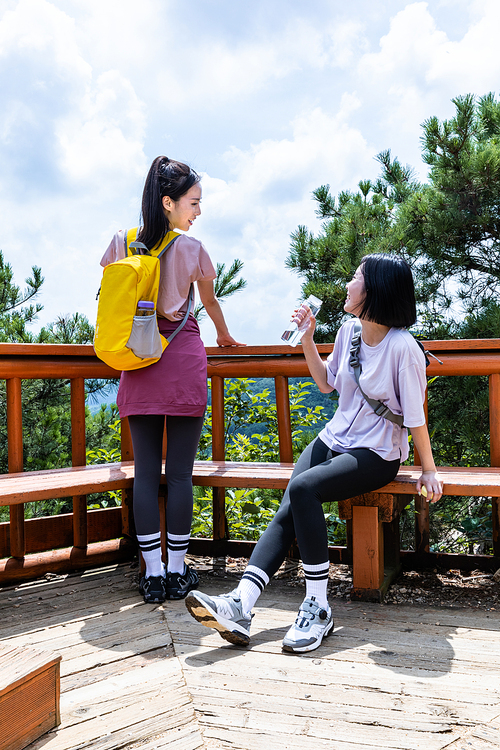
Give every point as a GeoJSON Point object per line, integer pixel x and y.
{"type": "Point", "coordinates": [183, 435]}
{"type": "Point", "coordinates": [320, 476]}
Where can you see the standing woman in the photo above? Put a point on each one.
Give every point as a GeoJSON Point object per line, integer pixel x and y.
{"type": "Point", "coordinates": [174, 389]}
{"type": "Point", "coordinates": [358, 451]}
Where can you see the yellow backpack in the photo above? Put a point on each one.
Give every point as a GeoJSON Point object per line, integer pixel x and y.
{"type": "Point", "coordinates": [124, 340]}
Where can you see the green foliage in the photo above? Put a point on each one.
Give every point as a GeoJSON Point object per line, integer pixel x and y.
{"type": "Point", "coordinates": [15, 313]}
{"type": "Point", "coordinates": [45, 403]}
{"type": "Point", "coordinates": [105, 436]}
{"type": "Point", "coordinates": [448, 228]}
{"type": "Point", "coordinates": [462, 525]}
{"type": "Point", "coordinates": [67, 329]}
{"type": "Point", "coordinates": [356, 225]}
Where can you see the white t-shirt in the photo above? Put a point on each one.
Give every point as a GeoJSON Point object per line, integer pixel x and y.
{"type": "Point", "coordinates": [392, 372]}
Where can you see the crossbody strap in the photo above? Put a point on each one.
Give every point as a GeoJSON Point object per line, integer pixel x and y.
{"type": "Point", "coordinates": [378, 407]}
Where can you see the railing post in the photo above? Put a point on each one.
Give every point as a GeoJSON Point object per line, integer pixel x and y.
{"type": "Point", "coordinates": [15, 448]}
{"type": "Point", "coordinates": [422, 528]}
{"type": "Point", "coordinates": [284, 421]}
{"type": "Point", "coordinates": [78, 458]}
{"type": "Point", "coordinates": [218, 454]}
{"type": "Point", "coordinates": [494, 383]}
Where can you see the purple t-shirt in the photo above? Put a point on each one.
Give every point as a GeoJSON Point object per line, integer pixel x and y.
{"type": "Point", "coordinates": [392, 372]}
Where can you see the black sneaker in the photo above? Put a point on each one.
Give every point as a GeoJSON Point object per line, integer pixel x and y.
{"type": "Point", "coordinates": [153, 589]}
{"type": "Point", "coordinates": [178, 585]}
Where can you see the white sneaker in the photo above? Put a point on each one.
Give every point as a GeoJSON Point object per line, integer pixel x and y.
{"type": "Point", "coordinates": [224, 613]}
{"type": "Point", "coordinates": [313, 623]}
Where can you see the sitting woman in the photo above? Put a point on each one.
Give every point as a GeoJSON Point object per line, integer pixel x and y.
{"type": "Point", "coordinates": [358, 451]}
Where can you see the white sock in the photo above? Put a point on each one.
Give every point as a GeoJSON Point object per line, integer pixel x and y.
{"type": "Point", "coordinates": [150, 546]}
{"type": "Point", "coordinates": [251, 586]}
{"type": "Point", "coordinates": [317, 582]}
{"type": "Point", "coordinates": [177, 547]}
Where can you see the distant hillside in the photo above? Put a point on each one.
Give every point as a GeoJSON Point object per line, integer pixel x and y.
{"type": "Point", "coordinates": [312, 399]}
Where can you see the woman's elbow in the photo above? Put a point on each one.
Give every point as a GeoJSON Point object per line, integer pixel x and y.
{"type": "Point", "coordinates": [325, 388]}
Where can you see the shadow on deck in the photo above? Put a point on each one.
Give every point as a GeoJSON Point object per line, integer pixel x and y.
{"type": "Point", "coordinates": [150, 677]}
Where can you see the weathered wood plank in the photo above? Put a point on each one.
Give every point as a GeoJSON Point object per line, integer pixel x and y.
{"type": "Point", "coordinates": [121, 688]}
{"type": "Point", "coordinates": [249, 721]}
{"type": "Point", "coordinates": [440, 657]}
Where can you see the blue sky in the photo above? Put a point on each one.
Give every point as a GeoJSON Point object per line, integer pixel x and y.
{"type": "Point", "coordinates": [268, 100]}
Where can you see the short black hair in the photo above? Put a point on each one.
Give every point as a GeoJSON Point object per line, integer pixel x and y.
{"type": "Point", "coordinates": [390, 292]}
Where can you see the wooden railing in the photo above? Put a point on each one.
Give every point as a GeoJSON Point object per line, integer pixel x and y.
{"type": "Point", "coordinates": [77, 363]}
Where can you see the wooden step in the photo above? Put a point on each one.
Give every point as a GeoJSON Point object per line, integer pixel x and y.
{"type": "Point", "coordinates": [29, 695]}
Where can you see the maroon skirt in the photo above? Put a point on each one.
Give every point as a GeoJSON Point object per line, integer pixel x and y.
{"type": "Point", "coordinates": [175, 385]}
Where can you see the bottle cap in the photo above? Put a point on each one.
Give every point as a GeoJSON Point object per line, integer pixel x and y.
{"type": "Point", "coordinates": [145, 305]}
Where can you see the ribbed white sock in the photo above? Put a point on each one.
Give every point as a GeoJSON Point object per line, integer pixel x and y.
{"type": "Point", "coordinates": [251, 586]}
{"type": "Point", "coordinates": [317, 582]}
{"type": "Point", "coordinates": [150, 546]}
{"type": "Point", "coordinates": [177, 547]}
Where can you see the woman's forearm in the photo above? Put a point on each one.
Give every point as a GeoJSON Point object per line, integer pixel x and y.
{"type": "Point", "coordinates": [429, 477]}
{"type": "Point", "coordinates": [317, 367]}
{"type": "Point", "coordinates": [422, 443]}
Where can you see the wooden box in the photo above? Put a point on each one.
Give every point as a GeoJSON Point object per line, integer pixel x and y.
{"type": "Point", "coordinates": [29, 695]}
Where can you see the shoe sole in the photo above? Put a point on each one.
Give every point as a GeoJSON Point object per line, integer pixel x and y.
{"type": "Point", "coordinates": [152, 600]}
{"type": "Point", "coordinates": [205, 615]}
{"type": "Point", "coordinates": [310, 646]}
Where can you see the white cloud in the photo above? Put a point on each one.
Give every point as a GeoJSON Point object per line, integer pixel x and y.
{"type": "Point", "coordinates": [418, 69]}
{"type": "Point", "coordinates": [268, 197]}
{"type": "Point", "coordinates": [348, 40]}
{"type": "Point", "coordinates": [270, 105]}
{"type": "Point", "coordinates": [71, 143]}
{"type": "Point", "coordinates": [104, 135]}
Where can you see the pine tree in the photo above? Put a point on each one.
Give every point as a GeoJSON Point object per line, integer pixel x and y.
{"type": "Point", "coordinates": [447, 228]}
{"type": "Point", "coordinates": [46, 403]}
{"type": "Point", "coordinates": [355, 225]}
{"type": "Point", "coordinates": [15, 312]}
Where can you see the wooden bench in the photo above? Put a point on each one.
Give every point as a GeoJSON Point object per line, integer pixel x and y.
{"type": "Point", "coordinates": [374, 517]}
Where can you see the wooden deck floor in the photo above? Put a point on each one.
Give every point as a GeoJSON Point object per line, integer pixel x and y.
{"type": "Point", "coordinates": [148, 677]}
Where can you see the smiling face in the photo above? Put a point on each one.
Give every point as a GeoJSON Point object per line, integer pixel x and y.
{"type": "Point", "coordinates": [183, 212]}
{"type": "Point", "coordinates": [356, 293]}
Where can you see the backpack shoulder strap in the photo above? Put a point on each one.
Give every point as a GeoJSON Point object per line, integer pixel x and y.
{"type": "Point", "coordinates": [378, 407]}
{"type": "Point", "coordinates": [133, 247]}
{"type": "Point", "coordinates": [186, 315]}
{"type": "Point", "coordinates": [169, 240]}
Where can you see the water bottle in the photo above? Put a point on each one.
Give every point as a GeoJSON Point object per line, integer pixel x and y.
{"type": "Point", "coordinates": [293, 333]}
{"type": "Point", "coordinates": [145, 308]}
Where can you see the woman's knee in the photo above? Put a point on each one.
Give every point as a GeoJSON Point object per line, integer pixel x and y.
{"type": "Point", "coordinates": [302, 489]}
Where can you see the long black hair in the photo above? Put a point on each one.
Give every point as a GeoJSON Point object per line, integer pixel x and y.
{"type": "Point", "coordinates": [165, 177]}
{"type": "Point", "coordinates": [390, 292]}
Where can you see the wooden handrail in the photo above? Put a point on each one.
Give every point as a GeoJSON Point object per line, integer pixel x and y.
{"type": "Point", "coordinates": [76, 363]}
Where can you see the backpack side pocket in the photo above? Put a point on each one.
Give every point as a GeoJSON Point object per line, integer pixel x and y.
{"type": "Point", "coordinates": [145, 341]}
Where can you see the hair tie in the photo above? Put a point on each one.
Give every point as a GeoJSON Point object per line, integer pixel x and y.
{"type": "Point", "coordinates": [166, 163]}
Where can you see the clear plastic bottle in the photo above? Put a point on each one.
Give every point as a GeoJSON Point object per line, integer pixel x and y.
{"type": "Point", "coordinates": [144, 307]}
{"type": "Point", "coordinates": [293, 333]}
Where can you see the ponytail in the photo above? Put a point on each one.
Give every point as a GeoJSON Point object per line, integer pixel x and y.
{"type": "Point", "coordinates": [165, 177]}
